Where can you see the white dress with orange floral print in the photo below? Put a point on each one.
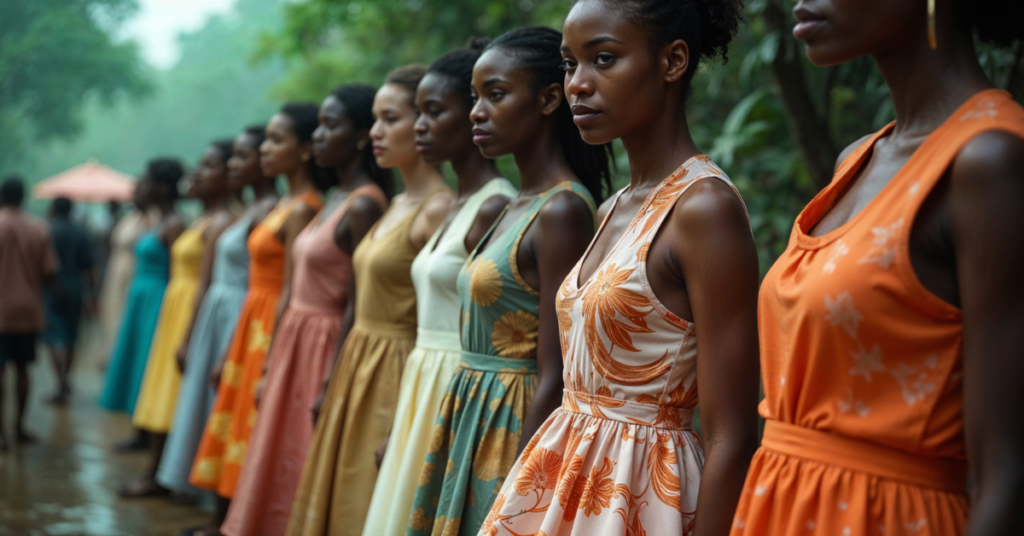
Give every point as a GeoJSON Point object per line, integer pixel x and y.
{"type": "Point", "coordinates": [619, 456]}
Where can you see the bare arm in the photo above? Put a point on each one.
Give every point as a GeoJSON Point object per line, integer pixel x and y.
{"type": "Point", "coordinates": [563, 230]}
{"type": "Point", "coordinates": [715, 250]}
{"type": "Point", "coordinates": [988, 233]}
{"type": "Point", "coordinates": [293, 225]}
{"type": "Point", "coordinates": [489, 212]}
{"type": "Point", "coordinates": [210, 234]}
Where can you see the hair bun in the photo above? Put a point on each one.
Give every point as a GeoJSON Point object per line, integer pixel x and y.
{"type": "Point", "coordinates": [477, 44]}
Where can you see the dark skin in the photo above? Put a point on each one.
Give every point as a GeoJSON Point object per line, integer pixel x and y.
{"type": "Point", "coordinates": [244, 171]}
{"type": "Point", "coordinates": [512, 117]}
{"type": "Point", "coordinates": [208, 184]}
{"type": "Point", "coordinates": [393, 140]}
{"type": "Point", "coordinates": [444, 134]}
{"type": "Point", "coordinates": [702, 263]}
{"type": "Point", "coordinates": [338, 144]}
{"type": "Point", "coordinates": [967, 241]}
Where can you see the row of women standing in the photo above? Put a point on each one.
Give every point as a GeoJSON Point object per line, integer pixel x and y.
{"type": "Point", "coordinates": [512, 373]}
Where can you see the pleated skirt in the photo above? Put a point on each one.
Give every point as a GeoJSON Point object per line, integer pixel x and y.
{"type": "Point", "coordinates": [358, 409]}
{"type": "Point", "coordinates": [159, 393]}
{"type": "Point", "coordinates": [214, 328]}
{"type": "Point", "coordinates": [300, 358]}
{"type": "Point", "coordinates": [430, 367]}
{"type": "Point", "coordinates": [128, 361]}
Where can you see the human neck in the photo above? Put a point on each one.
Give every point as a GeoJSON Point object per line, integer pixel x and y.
{"type": "Point", "coordinates": [658, 149]}
{"type": "Point", "coordinates": [217, 202]}
{"type": "Point", "coordinates": [165, 207]}
{"type": "Point", "coordinates": [263, 189]}
{"type": "Point", "coordinates": [351, 175]}
{"type": "Point", "coordinates": [473, 171]}
{"type": "Point", "coordinates": [299, 182]}
{"type": "Point", "coordinates": [419, 177]}
{"type": "Point", "coordinates": [542, 164]}
{"type": "Point", "coordinates": [927, 85]}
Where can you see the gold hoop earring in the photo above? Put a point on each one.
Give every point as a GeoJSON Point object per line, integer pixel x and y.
{"type": "Point", "coordinates": [932, 42]}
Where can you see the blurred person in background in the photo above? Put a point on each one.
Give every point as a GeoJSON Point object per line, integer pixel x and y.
{"type": "Point", "coordinates": [73, 288]}
{"type": "Point", "coordinates": [27, 262]}
{"type": "Point", "coordinates": [121, 265]}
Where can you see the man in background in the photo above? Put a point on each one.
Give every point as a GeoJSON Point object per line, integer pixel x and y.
{"type": "Point", "coordinates": [27, 262]}
{"type": "Point", "coordinates": [73, 287]}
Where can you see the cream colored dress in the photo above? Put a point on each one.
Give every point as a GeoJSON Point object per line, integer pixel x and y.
{"type": "Point", "coordinates": [430, 366]}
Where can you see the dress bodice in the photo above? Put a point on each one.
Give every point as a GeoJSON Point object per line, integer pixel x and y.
{"type": "Point", "coordinates": [231, 257]}
{"type": "Point", "coordinates": [436, 268]}
{"type": "Point", "coordinates": [385, 296]}
{"type": "Point", "coordinates": [321, 270]}
{"type": "Point", "coordinates": [623, 350]}
{"type": "Point", "coordinates": [500, 310]}
{"type": "Point", "coordinates": [266, 252]}
{"type": "Point", "coordinates": [152, 257]}
{"type": "Point", "coordinates": [187, 253]}
{"type": "Point", "coordinates": [851, 342]}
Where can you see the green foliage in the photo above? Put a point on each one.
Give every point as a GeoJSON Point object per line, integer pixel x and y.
{"type": "Point", "coordinates": [54, 56]}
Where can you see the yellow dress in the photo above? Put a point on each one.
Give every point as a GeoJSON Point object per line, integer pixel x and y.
{"type": "Point", "coordinates": [155, 407]}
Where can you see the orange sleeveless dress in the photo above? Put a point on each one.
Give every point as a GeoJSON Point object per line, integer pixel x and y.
{"type": "Point", "coordinates": [862, 366]}
{"type": "Point", "coordinates": [225, 440]}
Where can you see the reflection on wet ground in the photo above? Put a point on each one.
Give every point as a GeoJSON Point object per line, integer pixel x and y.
{"type": "Point", "coordinates": [66, 484]}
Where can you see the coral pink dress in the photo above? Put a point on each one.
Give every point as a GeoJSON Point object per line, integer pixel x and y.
{"type": "Point", "coordinates": [619, 456]}
{"type": "Point", "coordinates": [300, 358]}
{"type": "Point", "coordinates": [862, 366]}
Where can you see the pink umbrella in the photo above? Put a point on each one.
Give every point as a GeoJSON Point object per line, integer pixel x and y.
{"type": "Point", "coordinates": [91, 181]}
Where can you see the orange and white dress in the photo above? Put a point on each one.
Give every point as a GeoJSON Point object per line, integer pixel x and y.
{"type": "Point", "coordinates": [619, 456]}
{"type": "Point", "coordinates": [862, 365]}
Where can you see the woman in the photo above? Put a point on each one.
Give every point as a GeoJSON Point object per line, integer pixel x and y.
{"type": "Point", "coordinates": [159, 393]}
{"type": "Point", "coordinates": [213, 324]}
{"type": "Point", "coordinates": [120, 267]}
{"type": "Point", "coordinates": [443, 133]}
{"type": "Point", "coordinates": [159, 188]}
{"type": "Point", "coordinates": [674, 252]}
{"type": "Point", "coordinates": [509, 378]}
{"type": "Point", "coordinates": [360, 399]}
{"type": "Point", "coordinates": [287, 150]}
{"type": "Point", "coordinates": [305, 345]}
{"type": "Point", "coordinates": [890, 332]}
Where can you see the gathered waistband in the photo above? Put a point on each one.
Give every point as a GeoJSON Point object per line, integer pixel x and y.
{"type": "Point", "coordinates": [627, 411]}
{"type": "Point", "coordinates": [447, 341]}
{"type": "Point", "coordinates": [492, 363]}
{"type": "Point", "coordinates": [384, 329]}
{"type": "Point", "coordinates": [865, 456]}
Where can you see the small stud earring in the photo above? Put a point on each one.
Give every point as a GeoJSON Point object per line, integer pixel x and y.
{"type": "Point", "coordinates": [932, 42]}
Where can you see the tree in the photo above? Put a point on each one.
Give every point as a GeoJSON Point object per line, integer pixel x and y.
{"type": "Point", "coordinates": [54, 55]}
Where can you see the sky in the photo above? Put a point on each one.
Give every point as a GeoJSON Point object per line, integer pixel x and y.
{"type": "Point", "coordinates": [158, 22]}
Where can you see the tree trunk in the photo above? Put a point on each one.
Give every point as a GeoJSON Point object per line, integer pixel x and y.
{"type": "Point", "coordinates": [808, 126]}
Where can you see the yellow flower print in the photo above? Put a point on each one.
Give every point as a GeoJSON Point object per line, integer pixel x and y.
{"type": "Point", "coordinates": [449, 467]}
{"type": "Point", "coordinates": [484, 283]}
{"type": "Point", "coordinates": [496, 454]}
{"type": "Point", "coordinates": [436, 439]}
{"type": "Point", "coordinates": [219, 425]}
{"type": "Point", "coordinates": [418, 520]}
{"type": "Point", "coordinates": [259, 337]}
{"type": "Point", "coordinates": [515, 334]}
{"type": "Point", "coordinates": [208, 469]}
{"type": "Point", "coordinates": [451, 527]}
{"type": "Point", "coordinates": [235, 453]}
{"type": "Point", "coordinates": [231, 375]}
{"type": "Point", "coordinates": [427, 473]}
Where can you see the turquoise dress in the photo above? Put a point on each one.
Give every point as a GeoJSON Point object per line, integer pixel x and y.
{"type": "Point", "coordinates": [141, 312]}
{"type": "Point", "coordinates": [477, 432]}
{"type": "Point", "coordinates": [214, 327]}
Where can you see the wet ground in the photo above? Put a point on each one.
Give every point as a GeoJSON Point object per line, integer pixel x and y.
{"type": "Point", "coordinates": [66, 484]}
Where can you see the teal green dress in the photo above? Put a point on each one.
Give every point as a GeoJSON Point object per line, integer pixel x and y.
{"type": "Point", "coordinates": [478, 429]}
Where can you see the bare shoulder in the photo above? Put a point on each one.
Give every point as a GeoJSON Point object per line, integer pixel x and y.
{"type": "Point", "coordinates": [606, 207]}
{"type": "Point", "coordinates": [565, 210]}
{"type": "Point", "coordinates": [365, 206]}
{"type": "Point", "coordinates": [709, 204]}
{"type": "Point", "coordinates": [491, 208]}
{"type": "Point", "coordinates": [437, 205]}
{"type": "Point", "coordinates": [851, 148]}
{"type": "Point", "coordinates": [993, 159]}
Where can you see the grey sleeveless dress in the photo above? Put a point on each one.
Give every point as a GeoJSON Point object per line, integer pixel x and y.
{"type": "Point", "coordinates": [214, 328]}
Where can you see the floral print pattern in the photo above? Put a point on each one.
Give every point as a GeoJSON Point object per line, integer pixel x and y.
{"type": "Point", "coordinates": [619, 456]}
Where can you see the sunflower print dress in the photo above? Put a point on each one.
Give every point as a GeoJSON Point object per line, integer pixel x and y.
{"type": "Point", "coordinates": [479, 426]}
{"type": "Point", "coordinates": [619, 456]}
